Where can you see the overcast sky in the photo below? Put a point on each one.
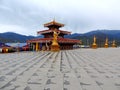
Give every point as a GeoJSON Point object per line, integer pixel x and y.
{"type": "Point", "coordinates": [79, 16]}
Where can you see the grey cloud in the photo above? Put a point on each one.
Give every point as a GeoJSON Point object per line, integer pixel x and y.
{"type": "Point", "coordinates": [77, 15]}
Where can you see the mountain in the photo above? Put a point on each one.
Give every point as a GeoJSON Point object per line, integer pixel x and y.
{"type": "Point", "coordinates": [86, 38]}
{"type": "Point", "coordinates": [99, 33]}
{"type": "Point", "coordinates": [13, 37]}
{"type": "Point", "coordinates": [74, 35]}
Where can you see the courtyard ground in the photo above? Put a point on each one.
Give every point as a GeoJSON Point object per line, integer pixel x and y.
{"type": "Point", "coordinates": [79, 69]}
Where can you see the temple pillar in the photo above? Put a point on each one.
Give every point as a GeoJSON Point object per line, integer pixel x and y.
{"type": "Point", "coordinates": [36, 46]}
{"type": "Point", "coordinates": [33, 47]}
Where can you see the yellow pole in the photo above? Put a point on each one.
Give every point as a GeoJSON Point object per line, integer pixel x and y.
{"type": "Point", "coordinates": [36, 46]}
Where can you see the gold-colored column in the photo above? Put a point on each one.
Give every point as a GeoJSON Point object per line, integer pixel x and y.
{"type": "Point", "coordinates": [36, 46]}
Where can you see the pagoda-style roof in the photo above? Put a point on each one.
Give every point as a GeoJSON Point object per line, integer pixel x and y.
{"type": "Point", "coordinates": [49, 31]}
{"type": "Point", "coordinates": [53, 23]}
{"type": "Point", "coordinates": [60, 40]}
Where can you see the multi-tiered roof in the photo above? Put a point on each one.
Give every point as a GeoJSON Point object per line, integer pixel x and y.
{"type": "Point", "coordinates": [48, 34]}
{"type": "Point", "coordinates": [53, 25]}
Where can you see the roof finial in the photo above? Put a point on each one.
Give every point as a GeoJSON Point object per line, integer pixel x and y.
{"type": "Point", "coordinates": [54, 19]}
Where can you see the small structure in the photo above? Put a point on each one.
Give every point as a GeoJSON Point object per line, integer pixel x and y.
{"type": "Point", "coordinates": [106, 43]}
{"type": "Point", "coordinates": [4, 48]}
{"type": "Point", "coordinates": [53, 36]}
{"type": "Point", "coordinates": [94, 45]}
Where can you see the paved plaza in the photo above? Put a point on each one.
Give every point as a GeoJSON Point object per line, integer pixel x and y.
{"type": "Point", "coordinates": [80, 69]}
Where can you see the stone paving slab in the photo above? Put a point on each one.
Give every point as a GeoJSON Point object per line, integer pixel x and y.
{"type": "Point", "coordinates": [79, 69]}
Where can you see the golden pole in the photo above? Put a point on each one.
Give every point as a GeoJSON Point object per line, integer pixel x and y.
{"type": "Point", "coordinates": [36, 46]}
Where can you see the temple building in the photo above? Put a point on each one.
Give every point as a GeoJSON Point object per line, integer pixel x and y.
{"type": "Point", "coordinates": [45, 43]}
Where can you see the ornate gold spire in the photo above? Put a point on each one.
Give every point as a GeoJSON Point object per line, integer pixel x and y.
{"type": "Point", "coordinates": [106, 43]}
{"type": "Point", "coordinates": [94, 45]}
{"type": "Point", "coordinates": [94, 40]}
{"type": "Point", "coordinates": [113, 43]}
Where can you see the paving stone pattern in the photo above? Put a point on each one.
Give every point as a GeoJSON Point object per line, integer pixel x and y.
{"type": "Point", "coordinates": [80, 69]}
